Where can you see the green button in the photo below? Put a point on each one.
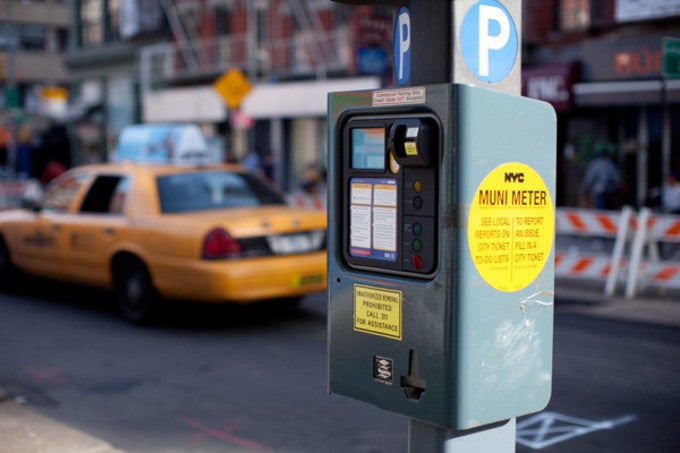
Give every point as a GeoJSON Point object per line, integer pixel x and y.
{"type": "Point", "coordinates": [417, 245]}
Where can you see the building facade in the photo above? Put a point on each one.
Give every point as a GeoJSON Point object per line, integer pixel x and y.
{"type": "Point", "coordinates": [599, 62]}
{"type": "Point", "coordinates": [158, 61]}
{"type": "Point", "coordinates": [33, 78]}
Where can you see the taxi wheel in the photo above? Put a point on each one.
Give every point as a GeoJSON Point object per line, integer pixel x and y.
{"type": "Point", "coordinates": [8, 273]}
{"type": "Point", "coordinates": [135, 293]}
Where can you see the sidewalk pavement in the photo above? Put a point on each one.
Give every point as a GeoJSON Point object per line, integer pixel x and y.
{"type": "Point", "coordinates": [23, 430]}
{"type": "Point", "coordinates": [651, 307]}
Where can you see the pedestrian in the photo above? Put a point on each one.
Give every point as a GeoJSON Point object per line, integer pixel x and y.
{"type": "Point", "coordinates": [670, 196]}
{"type": "Point", "coordinates": [311, 177]}
{"type": "Point", "coordinates": [602, 181]}
{"type": "Point", "coordinates": [252, 162]}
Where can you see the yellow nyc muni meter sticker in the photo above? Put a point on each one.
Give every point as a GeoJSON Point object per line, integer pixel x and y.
{"type": "Point", "coordinates": [377, 311]}
{"type": "Point", "coordinates": [511, 227]}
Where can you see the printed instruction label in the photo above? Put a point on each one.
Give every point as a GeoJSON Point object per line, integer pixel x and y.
{"type": "Point", "coordinates": [511, 227]}
{"type": "Point", "coordinates": [377, 311]}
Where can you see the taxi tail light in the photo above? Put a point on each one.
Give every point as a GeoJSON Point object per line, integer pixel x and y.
{"type": "Point", "coordinates": [219, 244]}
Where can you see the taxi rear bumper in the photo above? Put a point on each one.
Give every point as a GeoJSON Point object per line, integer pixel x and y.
{"type": "Point", "coordinates": [242, 280]}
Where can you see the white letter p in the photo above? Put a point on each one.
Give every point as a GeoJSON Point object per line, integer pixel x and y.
{"type": "Point", "coordinates": [486, 42]}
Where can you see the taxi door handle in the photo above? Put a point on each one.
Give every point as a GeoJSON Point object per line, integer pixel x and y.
{"type": "Point", "coordinates": [109, 231]}
{"type": "Point", "coordinates": [56, 227]}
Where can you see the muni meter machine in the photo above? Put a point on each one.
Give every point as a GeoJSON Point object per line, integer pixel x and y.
{"type": "Point", "coordinates": [440, 258]}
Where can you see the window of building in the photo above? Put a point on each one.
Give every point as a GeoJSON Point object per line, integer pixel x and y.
{"type": "Point", "coordinates": [222, 18]}
{"type": "Point", "coordinates": [114, 20]}
{"type": "Point", "coordinates": [60, 40]}
{"type": "Point", "coordinates": [32, 37]}
{"type": "Point", "coordinates": [25, 37]}
{"type": "Point", "coordinates": [92, 22]}
{"type": "Point", "coordinates": [8, 38]}
{"type": "Point", "coordinates": [574, 15]}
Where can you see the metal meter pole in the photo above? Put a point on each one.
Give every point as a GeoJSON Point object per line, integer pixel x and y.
{"type": "Point", "coordinates": [431, 55]}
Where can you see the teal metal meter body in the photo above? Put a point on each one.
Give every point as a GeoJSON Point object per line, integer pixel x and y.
{"type": "Point", "coordinates": [440, 255]}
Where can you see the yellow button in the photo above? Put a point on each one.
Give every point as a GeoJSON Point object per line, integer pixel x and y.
{"type": "Point", "coordinates": [418, 186]}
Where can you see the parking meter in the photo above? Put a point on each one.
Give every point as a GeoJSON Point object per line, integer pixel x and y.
{"type": "Point", "coordinates": [440, 252]}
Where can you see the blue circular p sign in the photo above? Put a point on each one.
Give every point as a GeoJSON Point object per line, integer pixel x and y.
{"type": "Point", "coordinates": [402, 46]}
{"type": "Point", "coordinates": [488, 41]}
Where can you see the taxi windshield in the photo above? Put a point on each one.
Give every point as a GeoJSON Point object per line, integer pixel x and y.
{"type": "Point", "coordinates": [207, 190]}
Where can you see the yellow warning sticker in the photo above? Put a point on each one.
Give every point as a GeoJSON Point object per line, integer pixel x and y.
{"type": "Point", "coordinates": [511, 227]}
{"type": "Point", "coordinates": [377, 311]}
{"type": "Point", "coordinates": [411, 148]}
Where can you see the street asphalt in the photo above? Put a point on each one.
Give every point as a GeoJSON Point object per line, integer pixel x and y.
{"type": "Point", "coordinates": [23, 430]}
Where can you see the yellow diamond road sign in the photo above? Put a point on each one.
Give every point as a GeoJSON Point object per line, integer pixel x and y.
{"type": "Point", "coordinates": [233, 86]}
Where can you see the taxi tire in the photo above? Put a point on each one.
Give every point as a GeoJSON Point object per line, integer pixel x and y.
{"type": "Point", "coordinates": [134, 291]}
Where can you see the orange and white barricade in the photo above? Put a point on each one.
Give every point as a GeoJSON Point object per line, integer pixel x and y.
{"type": "Point", "coordinates": [649, 269]}
{"type": "Point", "coordinates": [606, 265]}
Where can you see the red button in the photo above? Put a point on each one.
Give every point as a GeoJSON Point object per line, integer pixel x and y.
{"type": "Point", "coordinates": [417, 262]}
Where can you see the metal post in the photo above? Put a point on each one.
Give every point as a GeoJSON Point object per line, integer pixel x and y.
{"type": "Point", "coordinates": [431, 52]}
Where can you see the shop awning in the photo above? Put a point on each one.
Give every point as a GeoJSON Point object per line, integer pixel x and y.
{"type": "Point", "coordinates": [191, 104]}
{"type": "Point", "coordinates": [638, 92]}
{"type": "Point", "coordinates": [299, 99]}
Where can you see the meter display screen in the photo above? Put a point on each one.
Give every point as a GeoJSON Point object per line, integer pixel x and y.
{"type": "Point", "coordinates": [368, 148]}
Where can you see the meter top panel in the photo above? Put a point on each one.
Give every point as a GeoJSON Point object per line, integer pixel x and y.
{"type": "Point", "coordinates": [390, 166]}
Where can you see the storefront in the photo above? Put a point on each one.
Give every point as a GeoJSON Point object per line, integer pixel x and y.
{"type": "Point", "coordinates": [553, 83]}
{"type": "Point", "coordinates": [619, 98]}
{"type": "Point", "coordinates": [628, 83]}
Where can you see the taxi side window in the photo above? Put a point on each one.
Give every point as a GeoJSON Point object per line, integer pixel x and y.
{"type": "Point", "coordinates": [60, 193]}
{"type": "Point", "coordinates": [106, 195]}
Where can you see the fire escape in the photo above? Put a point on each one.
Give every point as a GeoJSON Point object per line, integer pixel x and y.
{"type": "Point", "coordinates": [198, 56]}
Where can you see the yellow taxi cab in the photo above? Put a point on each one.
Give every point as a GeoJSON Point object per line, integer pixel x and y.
{"type": "Point", "coordinates": [152, 231]}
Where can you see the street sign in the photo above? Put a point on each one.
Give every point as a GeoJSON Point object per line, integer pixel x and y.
{"type": "Point", "coordinates": [402, 46]}
{"type": "Point", "coordinates": [670, 57]}
{"type": "Point", "coordinates": [486, 46]}
{"type": "Point", "coordinates": [233, 86]}
{"type": "Point", "coordinates": [489, 41]}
